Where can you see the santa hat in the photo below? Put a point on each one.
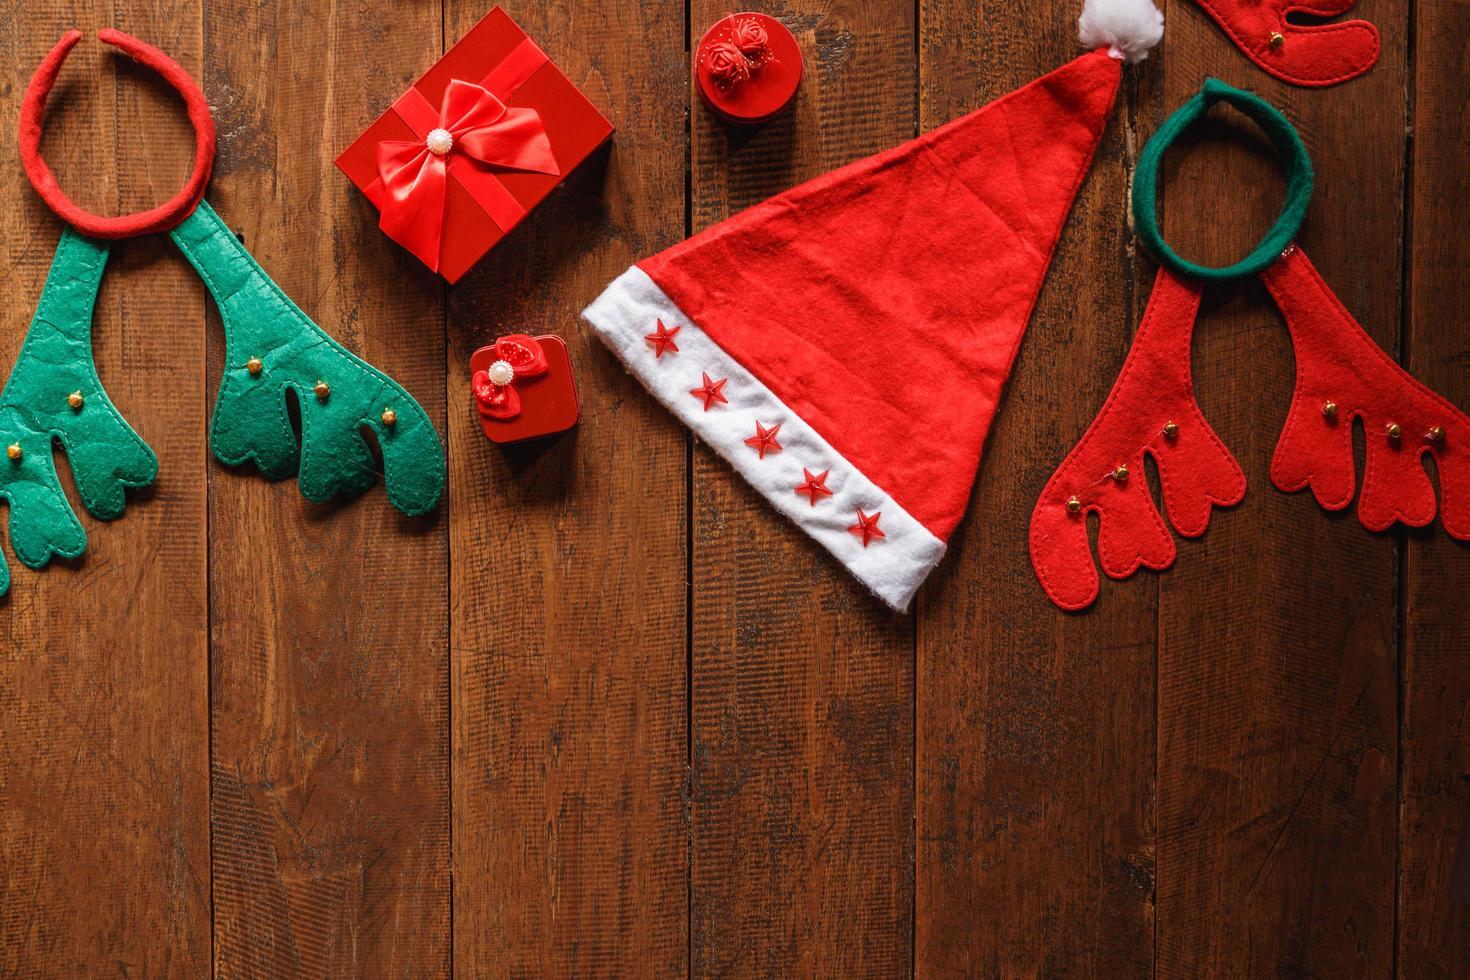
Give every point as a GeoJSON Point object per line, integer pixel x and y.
{"type": "Point", "coordinates": [844, 344]}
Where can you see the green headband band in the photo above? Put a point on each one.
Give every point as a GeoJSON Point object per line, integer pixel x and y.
{"type": "Point", "coordinates": [1298, 181]}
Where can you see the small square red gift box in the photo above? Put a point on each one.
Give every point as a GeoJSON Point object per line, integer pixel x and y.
{"type": "Point", "coordinates": [523, 388]}
{"type": "Point", "coordinates": [482, 138]}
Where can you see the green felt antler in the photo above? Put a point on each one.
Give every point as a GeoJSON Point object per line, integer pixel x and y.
{"type": "Point", "coordinates": [54, 393]}
{"type": "Point", "coordinates": [270, 347]}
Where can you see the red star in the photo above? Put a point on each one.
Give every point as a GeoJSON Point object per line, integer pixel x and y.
{"type": "Point", "coordinates": [815, 486]}
{"type": "Point", "coordinates": [662, 339]}
{"type": "Point", "coordinates": [764, 439]}
{"type": "Point", "coordinates": [710, 391]}
{"type": "Point", "coordinates": [867, 527]}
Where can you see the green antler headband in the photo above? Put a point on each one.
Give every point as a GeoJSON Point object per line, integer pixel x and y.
{"type": "Point", "coordinates": [272, 347]}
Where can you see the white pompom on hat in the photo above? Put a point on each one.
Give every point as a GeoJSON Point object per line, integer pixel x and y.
{"type": "Point", "coordinates": [1127, 28]}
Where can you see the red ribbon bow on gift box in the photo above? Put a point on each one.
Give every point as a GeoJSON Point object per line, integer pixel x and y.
{"type": "Point", "coordinates": [518, 356]}
{"type": "Point", "coordinates": [471, 135]}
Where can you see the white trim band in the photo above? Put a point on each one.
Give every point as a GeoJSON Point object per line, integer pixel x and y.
{"type": "Point", "coordinates": [893, 566]}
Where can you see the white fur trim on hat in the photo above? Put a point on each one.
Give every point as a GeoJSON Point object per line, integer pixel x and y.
{"type": "Point", "coordinates": [892, 567]}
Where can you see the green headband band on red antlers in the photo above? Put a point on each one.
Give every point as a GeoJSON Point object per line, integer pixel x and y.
{"type": "Point", "coordinates": [1283, 136]}
{"type": "Point", "coordinates": [273, 352]}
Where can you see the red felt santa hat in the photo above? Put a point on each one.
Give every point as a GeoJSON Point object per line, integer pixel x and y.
{"type": "Point", "coordinates": [844, 344]}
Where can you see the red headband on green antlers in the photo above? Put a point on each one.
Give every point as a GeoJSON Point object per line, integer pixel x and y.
{"type": "Point", "coordinates": [274, 354]}
{"type": "Point", "coordinates": [161, 218]}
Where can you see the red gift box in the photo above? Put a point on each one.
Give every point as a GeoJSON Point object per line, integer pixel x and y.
{"type": "Point", "coordinates": [450, 199]}
{"type": "Point", "coordinates": [544, 403]}
{"type": "Point", "coordinates": [755, 77]}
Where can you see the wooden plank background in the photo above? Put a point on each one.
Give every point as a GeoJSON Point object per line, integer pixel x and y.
{"type": "Point", "coordinates": [604, 713]}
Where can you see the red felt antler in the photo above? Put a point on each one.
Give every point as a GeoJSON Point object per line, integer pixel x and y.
{"type": "Point", "coordinates": [1341, 374]}
{"type": "Point", "coordinates": [1311, 55]}
{"type": "Point", "coordinates": [1151, 410]}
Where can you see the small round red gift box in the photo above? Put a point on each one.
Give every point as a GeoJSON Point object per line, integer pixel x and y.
{"type": "Point", "coordinates": [747, 68]}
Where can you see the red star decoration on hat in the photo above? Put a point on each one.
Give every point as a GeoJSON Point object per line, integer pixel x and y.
{"type": "Point", "coordinates": [662, 339]}
{"type": "Point", "coordinates": [815, 485]}
{"type": "Point", "coordinates": [710, 391]}
{"type": "Point", "coordinates": [764, 439]}
{"type": "Point", "coordinates": [867, 527]}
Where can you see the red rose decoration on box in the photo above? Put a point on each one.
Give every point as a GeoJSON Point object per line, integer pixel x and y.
{"type": "Point", "coordinates": [476, 143]}
{"type": "Point", "coordinates": [750, 37]}
{"type": "Point", "coordinates": [726, 64]}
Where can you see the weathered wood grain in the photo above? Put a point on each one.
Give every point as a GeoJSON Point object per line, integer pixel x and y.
{"type": "Point", "coordinates": [1035, 754]}
{"type": "Point", "coordinates": [567, 558]}
{"type": "Point", "coordinates": [330, 796]}
{"type": "Point", "coordinates": [1277, 713]}
{"type": "Point", "coordinates": [662, 732]}
{"type": "Point", "coordinates": [104, 838]}
{"type": "Point", "coordinates": [802, 684]}
{"type": "Point", "coordinates": [1434, 811]}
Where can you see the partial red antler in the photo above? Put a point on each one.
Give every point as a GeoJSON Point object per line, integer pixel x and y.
{"type": "Point", "coordinates": [1312, 55]}
{"type": "Point", "coordinates": [1151, 410]}
{"type": "Point", "coordinates": [1341, 374]}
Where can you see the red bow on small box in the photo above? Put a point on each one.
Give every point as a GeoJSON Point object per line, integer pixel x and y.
{"type": "Point", "coordinates": [517, 356]}
{"type": "Point", "coordinates": [471, 135]}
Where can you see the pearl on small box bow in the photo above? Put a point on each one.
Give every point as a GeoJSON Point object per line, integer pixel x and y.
{"type": "Point", "coordinates": [501, 373]}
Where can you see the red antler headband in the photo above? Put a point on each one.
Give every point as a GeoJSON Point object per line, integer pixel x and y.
{"type": "Point", "coordinates": [161, 218]}
{"type": "Point", "coordinates": [1341, 375]}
